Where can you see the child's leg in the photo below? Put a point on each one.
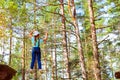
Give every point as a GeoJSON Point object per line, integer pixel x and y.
{"type": "Point", "coordinates": [39, 59]}
{"type": "Point", "coordinates": [33, 58]}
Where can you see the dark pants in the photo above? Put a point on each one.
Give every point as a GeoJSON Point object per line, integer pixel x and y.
{"type": "Point", "coordinates": [36, 54]}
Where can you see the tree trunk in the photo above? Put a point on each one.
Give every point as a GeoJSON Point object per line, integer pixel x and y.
{"type": "Point", "coordinates": [3, 49]}
{"type": "Point", "coordinates": [54, 67]}
{"type": "Point", "coordinates": [45, 61]}
{"type": "Point", "coordinates": [80, 51]}
{"type": "Point", "coordinates": [65, 50]}
{"type": "Point", "coordinates": [55, 57]}
{"type": "Point", "coordinates": [23, 56]}
{"type": "Point", "coordinates": [10, 41]}
{"type": "Point", "coordinates": [96, 68]}
{"type": "Point", "coordinates": [35, 75]}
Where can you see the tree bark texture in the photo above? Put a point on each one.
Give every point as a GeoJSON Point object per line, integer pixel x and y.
{"type": "Point", "coordinates": [10, 42]}
{"type": "Point", "coordinates": [72, 11]}
{"type": "Point", "coordinates": [23, 56]}
{"type": "Point", "coordinates": [35, 75]}
{"type": "Point", "coordinates": [65, 50]}
{"type": "Point", "coordinates": [54, 56]}
{"type": "Point", "coordinates": [97, 71]}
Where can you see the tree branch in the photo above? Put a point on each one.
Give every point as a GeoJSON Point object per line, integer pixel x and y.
{"type": "Point", "coordinates": [103, 39]}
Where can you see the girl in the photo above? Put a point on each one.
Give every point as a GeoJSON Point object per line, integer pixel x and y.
{"type": "Point", "coordinates": [36, 53]}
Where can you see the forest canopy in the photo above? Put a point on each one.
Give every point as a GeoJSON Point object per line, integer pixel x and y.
{"type": "Point", "coordinates": [83, 38]}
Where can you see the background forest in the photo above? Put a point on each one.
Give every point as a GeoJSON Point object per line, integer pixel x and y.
{"type": "Point", "coordinates": [83, 38]}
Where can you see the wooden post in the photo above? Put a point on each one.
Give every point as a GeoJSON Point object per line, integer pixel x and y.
{"type": "Point", "coordinates": [6, 72]}
{"type": "Point", "coordinates": [117, 75]}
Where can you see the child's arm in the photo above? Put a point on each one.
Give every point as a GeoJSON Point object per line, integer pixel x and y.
{"type": "Point", "coordinates": [30, 34]}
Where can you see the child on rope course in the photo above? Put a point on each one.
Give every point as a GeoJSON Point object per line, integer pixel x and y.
{"type": "Point", "coordinates": [36, 53]}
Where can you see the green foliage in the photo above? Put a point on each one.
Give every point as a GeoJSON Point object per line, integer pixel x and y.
{"type": "Point", "coordinates": [19, 14]}
{"type": "Point", "coordinates": [99, 23]}
{"type": "Point", "coordinates": [118, 44]}
{"type": "Point", "coordinates": [12, 7]}
{"type": "Point", "coordinates": [49, 11]}
{"type": "Point", "coordinates": [109, 29]}
{"type": "Point", "coordinates": [2, 3]}
{"type": "Point", "coordinates": [23, 14]}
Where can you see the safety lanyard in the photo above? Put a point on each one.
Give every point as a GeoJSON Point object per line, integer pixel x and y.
{"type": "Point", "coordinates": [37, 41]}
